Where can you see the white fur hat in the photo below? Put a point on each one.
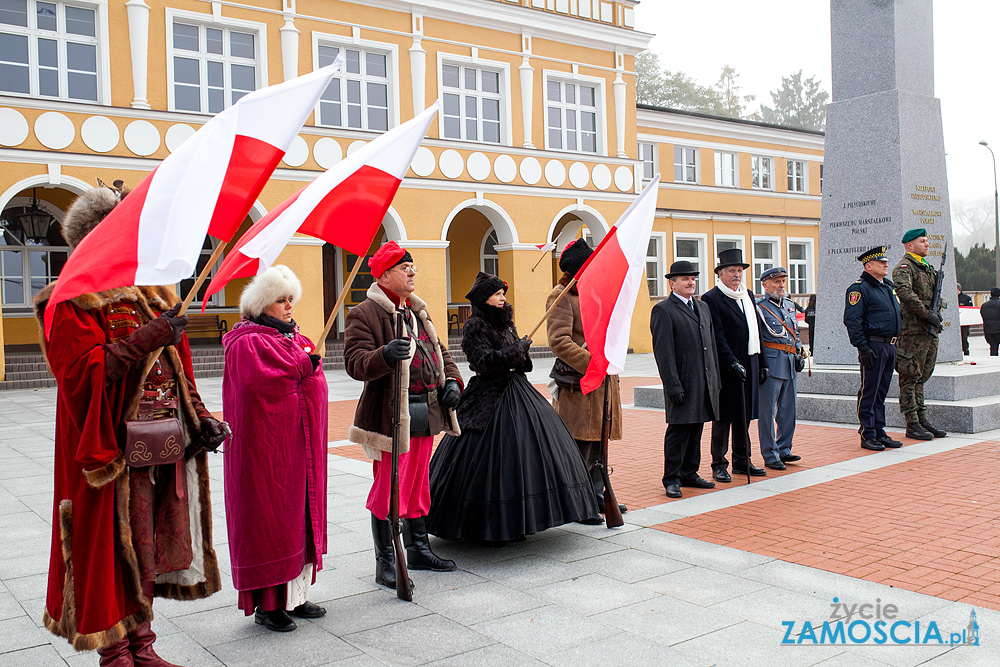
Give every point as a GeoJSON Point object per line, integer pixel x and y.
{"type": "Point", "coordinates": [268, 287]}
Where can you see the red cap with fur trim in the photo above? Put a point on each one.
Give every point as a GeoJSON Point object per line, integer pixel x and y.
{"type": "Point", "coordinates": [386, 257]}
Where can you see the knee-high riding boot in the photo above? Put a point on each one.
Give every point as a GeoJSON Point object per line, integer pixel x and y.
{"type": "Point", "coordinates": [141, 646]}
{"type": "Point", "coordinates": [418, 548]}
{"type": "Point", "coordinates": [116, 655]}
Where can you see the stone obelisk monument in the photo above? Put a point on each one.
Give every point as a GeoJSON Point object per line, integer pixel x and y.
{"type": "Point", "coordinates": [884, 167]}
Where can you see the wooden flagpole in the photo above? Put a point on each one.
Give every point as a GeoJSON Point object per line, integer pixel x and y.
{"type": "Point", "coordinates": [552, 307]}
{"type": "Point", "coordinates": [321, 344]}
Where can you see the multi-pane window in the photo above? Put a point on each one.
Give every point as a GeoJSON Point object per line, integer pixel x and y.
{"type": "Point", "coordinates": [213, 66]}
{"type": "Point", "coordinates": [762, 172]}
{"type": "Point", "coordinates": [798, 264]}
{"type": "Point", "coordinates": [796, 176]}
{"type": "Point", "coordinates": [722, 245]}
{"type": "Point", "coordinates": [571, 116]}
{"type": "Point", "coordinates": [726, 165]}
{"type": "Point", "coordinates": [358, 96]}
{"type": "Point", "coordinates": [490, 258]}
{"type": "Point", "coordinates": [48, 49]}
{"type": "Point", "coordinates": [647, 154]}
{"type": "Point", "coordinates": [690, 249]}
{"type": "Point", "coordinates": [27, 264]}
{"type": "Point", "coordinates": [763, 259]}
{"type": "Point", "coordinates": [472, 103]}
{"type": "Point", "coordinates": [685, 165]}
{"type": "Point", "coordinates": [821, 177]}
{"type": "Point", "coordinates": [654, 265]}
{"type": "Point", "coordinates": [185, 285]}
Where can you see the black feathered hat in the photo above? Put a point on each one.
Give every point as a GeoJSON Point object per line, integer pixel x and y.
{"type": "Point", "coordinates": [574, 255]}
{"type": "Point", "coordinates": [483, 287]}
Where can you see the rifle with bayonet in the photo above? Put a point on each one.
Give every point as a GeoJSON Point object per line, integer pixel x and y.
{"type": "Point", "coordinates": [403, 587]}
{"type": "Point", "coordinates": [938, 287]}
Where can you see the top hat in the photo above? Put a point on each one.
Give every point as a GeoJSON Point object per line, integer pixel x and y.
{"type": "Point", "coordinates": [731, 257]}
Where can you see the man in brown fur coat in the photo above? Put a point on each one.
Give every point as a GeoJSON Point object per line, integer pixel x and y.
{"type": "Point", "coordinates": [583, 413]}
{"type": "Point", "coordinates": [121, 535]}
{"type": "Point", "coordinates": [430, 390]}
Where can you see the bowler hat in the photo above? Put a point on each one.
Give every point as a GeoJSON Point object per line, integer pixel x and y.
{"type": "Point", "coordinates": [731, 257]}
{"type": "Point", "coordinates": [682, 268]}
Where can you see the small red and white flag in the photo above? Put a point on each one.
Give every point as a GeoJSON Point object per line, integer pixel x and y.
{"type": "Point", "coordinates": [344, 206]}
{"type": "Point", "coordinates": [608, 285]}
{"type": "Point", "coordinates": [155, 235]}
{"type": "Point", "coordinates": [545, 247]}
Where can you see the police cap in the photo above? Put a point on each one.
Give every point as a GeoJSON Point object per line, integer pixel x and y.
{"type": "Point", "coordinates": [876, 253]}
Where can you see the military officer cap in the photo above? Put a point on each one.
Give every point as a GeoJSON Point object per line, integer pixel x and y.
{"type": "Point", "coordinates": [914, 234]}
{"type": "Point", "coordinates": [876, 253]}
{"type": "Point", "coordinates": [773, 272]}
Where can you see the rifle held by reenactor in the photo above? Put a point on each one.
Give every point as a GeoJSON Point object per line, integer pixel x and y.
{"type": "Point", "coordinates": [938, 287]}
{"type": "Point", "coordinates": [403, 587]}
{"type": "Point", "coordinates": [612, 513]}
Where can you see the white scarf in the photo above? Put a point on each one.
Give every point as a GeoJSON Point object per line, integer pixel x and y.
{"type": "Point", "coordinates": [749, 312]}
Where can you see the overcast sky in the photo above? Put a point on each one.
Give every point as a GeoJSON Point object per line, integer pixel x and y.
{"type": "Point", "coordinates": [768, 39]}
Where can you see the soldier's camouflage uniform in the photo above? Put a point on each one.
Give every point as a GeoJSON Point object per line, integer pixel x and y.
{"type": "Point", "coordinates": [916, 351]}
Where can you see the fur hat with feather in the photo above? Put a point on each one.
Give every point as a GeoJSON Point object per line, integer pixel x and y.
{"type": "Point", "coordinates": [89, 209]}
{"type": "Point", "coordinates": [276, 282]}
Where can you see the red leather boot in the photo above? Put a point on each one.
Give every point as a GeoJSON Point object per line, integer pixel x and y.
{"type": "Point", "coordinates": [141, 646]}
{"type": "Point", "coordinates": [116, 655]}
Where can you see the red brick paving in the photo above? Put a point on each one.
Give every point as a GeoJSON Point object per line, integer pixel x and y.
{"type": "Point", "coordinates": [930, 526]}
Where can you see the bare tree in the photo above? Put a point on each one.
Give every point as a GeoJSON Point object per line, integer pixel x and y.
{"type": "Point", "coordinates": [972, 222]}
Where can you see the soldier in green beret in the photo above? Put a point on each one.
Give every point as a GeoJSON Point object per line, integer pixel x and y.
{"type": "Point", "coordinates": [916, 352]}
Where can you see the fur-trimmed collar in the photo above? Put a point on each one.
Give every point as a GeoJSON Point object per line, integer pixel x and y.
{"type": "Point", "coordinates": [565, 279]}
{"type": "Point", "coordinates": [376, 294]}
{"type": "Point", "coordinates": [159, 297]}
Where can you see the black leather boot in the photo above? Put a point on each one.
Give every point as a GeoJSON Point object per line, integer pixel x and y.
{"type": "Point", "coordinates": [931, 428]}
{"type": "Point", "coordinates": [917, 432]}
{"type": "Point", "coordinates": [418, 548]}
{"type": "Point", "coordinates": [385, 560]}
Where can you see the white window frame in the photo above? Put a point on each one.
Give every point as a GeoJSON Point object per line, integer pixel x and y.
{"type": "Point", "coordinates": [702, 259]}
{"type": "Point", "coordinates": [802, 181]}
{"type": "Point", "coordinates": [685, 165]}
{"type": "Point", "coordinates": [719, 172]}
{"type": "Point", "coordinates": [807, 262]}
{"type": "Point", "coordinates": [754, 169]}
{"type": "Point", "coordinates": [211, 21]}
{"type": "Point", "coordinates": [482, 252]}
{"type": "Point", "coordinates": [653, 161]}
{"type": "Point", "coordinates": [821, 178]}
{"type": "Point", "coordinates": [660, 260]}
{"type": "Point", "coordinates": [600, 105]}
{"type": "Point", "coordinates": [505, 94]}
{"type": "Point", "coordinates": [390, 51]}
{"type": "Point", "coordinates": [740, 241]}
{"type": "Point", "coordinates": [101, 40]}
{"type": "Point", "coordinates": [775, 242]}
{"type": "Point", "coordinates": [28, 292]}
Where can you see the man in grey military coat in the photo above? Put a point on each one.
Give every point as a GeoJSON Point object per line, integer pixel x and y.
{"type": "Point", "coordinates": [684, 347]}
{"type": "Point", "coordinates": [782, 347]}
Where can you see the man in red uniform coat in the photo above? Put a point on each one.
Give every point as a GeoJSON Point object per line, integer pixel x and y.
{"type": "Point", "coordinates": [121, 535]}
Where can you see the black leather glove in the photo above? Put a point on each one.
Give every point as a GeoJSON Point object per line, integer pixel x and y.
{"type": "Point", "coordinates": [800, 363]}
{"type": "Point", "coordinates": [451, 394]}
{"type": "Point", "coordinates": [524, 344]}
{"type": "Point", "coordinates": [934, 321]}
{"type": "Point", "coordinates": [213, 433]}
{"type": "Point", "coordinates": [677, 399]}
{"type": "Point", "coordinates": [866, 356]}
{"type": "Point", "coordinates": [738, 370]}
{"type": "Point", "coordinates": [176, 323]}
{"type": "Point", "coordinates": [763, 374]}
{"type": "Point", "coordinates": [396, 350]}
{"type": "Point", "coordinates": [315, 358]}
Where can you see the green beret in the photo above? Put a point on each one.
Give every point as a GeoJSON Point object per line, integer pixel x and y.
{"type": "Point", "coordinates": [914, 234]}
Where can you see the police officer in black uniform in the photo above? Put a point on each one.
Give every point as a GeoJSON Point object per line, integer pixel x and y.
{"type": "Point", "coordinates": [871, 315]}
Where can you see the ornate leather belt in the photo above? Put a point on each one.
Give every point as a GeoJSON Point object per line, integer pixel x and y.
{"type": "Point", "coordinates": [790, 349]}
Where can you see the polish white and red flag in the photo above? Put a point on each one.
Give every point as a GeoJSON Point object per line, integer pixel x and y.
{"type": "Point", "coordinates": [608, 285]}
{"type": "Point", "coordinates": [344, 206]}
{"type": "Point", "coordinates": [207, 186]}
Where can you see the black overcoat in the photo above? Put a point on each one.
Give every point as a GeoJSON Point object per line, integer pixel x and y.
{"type": "Point", "coordinates": [684, 347]}
{"type": "Point", "coordinates": [732, 337]}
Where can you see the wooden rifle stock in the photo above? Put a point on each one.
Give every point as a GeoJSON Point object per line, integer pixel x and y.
{"type": "Point", "coordinates": [403, 589]}
{"type": "Point", "coordinates": [612, 513]}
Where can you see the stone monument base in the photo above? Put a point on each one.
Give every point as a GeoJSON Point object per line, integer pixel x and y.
{"type": "Point", "coordinates": [960, 398]}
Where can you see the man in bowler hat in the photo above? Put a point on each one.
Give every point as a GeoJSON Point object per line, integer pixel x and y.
{"type": "Point", "coordinates": [742, 368]}
{"type": "Point", "coordinates": [684, 347]}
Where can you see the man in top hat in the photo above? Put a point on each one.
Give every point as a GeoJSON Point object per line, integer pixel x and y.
{"type": "Point", "coordinates": [916, 353]}
{"type": "Point", "coordinates": [684, 347]}
{"type": "Point", "coordinates": [742, 368]}
{"type": "Point", "coordinates": [782, 348]}
{"type": "Point", "coordinates": [429, 392]}
{"type": "Point", "coordinates": [871, 315]}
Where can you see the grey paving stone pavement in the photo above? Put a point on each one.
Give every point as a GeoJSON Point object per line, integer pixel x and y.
{"type": "Point", "coordinates": [573, 595]}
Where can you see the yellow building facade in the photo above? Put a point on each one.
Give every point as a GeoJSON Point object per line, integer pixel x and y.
{"type": "Point", "coordinates": [539, 138]}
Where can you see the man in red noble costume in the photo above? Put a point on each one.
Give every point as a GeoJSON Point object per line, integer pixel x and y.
{"type": "Point", "coordinates": [121, 535]}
